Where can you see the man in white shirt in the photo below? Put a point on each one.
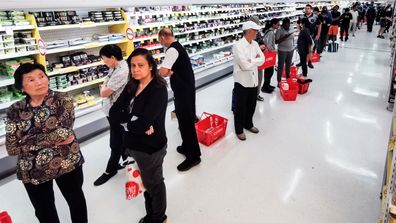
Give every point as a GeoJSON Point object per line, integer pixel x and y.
{"type": "Point", "coordinates": [247, 58]}
{"type": "Point", "coordinates": [354, 21]}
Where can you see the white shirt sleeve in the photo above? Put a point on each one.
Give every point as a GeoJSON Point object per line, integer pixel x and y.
{"type": "Point", "coordinates": [171, 56]}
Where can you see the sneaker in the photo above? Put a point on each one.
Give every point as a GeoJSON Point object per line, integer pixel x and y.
{"type": "Point", "coordinates": [259, 98]}
{"type": "Point", "coordinates": [180, 150]}
{"type": "Point", "coordinates": [125, 163]}
{"type": "Point", "coordinates": [272, 87]}
{"type": "Point", "coordinates": [188, 164]}
{"type": "Point", "coordinates": [298, 65]}
{"type": "Point", "coordinates": [241, 136]}
{"type": "Point", "coordinates": [104, 178]}
{"type": "Point", "coordinates": [382, 37]}
{"type": "Point", "coordinates": [310, 65]}
{"type": "Point", "coordinates": [253, 130]}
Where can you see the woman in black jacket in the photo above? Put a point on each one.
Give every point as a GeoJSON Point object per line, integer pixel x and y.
{"type": "Point", "coordinates": [304, 45]}
{"type": "Point", "coordinates": [141, 109]}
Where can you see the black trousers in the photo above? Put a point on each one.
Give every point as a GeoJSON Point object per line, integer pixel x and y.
{"type": "Point", "coordinates": [116, 145]}
{"type": "Point", "coordinates": [322, 43]}
{"type": "Point", "coordinates": [370, 23]}
{"type": "Point", "coordinates": [268, 73]}
{"type": "Point", "coordinates": [344, 30]}
{"type": "Point", "coordinates": [43, 199]}
{"type": "Point", "coordinates": [245, 105]}
{"type": "Point", "coordinates": [285, 59]}
{"type": "Point", "coordinates": [185, 112]}
{"type": "Point", "coordinates": [151, 170]}
{"type": "Point", "coordinates": [303, 61]}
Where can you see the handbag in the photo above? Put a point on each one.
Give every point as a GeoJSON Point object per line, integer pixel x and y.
{"type": "Point", "coordinates": [134, 185]}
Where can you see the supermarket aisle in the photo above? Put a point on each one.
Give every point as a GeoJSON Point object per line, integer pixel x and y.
{"type": "Point", "coordinates": [319, 159]}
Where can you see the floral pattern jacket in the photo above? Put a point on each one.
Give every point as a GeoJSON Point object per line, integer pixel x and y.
{"type": "Point", "coordinates": [32, 134]}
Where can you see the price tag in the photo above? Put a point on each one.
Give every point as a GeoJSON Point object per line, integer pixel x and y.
{"type": "Point", "coordinates": [42, 47]}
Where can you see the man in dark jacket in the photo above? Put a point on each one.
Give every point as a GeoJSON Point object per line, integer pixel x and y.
{"type": "Point", "coordinates": [370, 15]}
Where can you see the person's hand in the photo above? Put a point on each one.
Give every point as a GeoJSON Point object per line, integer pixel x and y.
{"type": "Point", "coordinates": [66, 142]}
{"type": "Point", "coordinates": [150, 131]}
{"type": "Point", "coordinates": [169, 74]}
{"type": "Point", "coordinates": [263, 48]}
{"type": "Point", "coordinates": [317, 37]}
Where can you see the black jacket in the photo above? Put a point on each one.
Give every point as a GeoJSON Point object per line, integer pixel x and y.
{"type": "Point", "coordinates": [137, 114]}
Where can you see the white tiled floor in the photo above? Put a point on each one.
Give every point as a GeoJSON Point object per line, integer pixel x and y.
{"type": "Point", "coordinates": [319, 159]}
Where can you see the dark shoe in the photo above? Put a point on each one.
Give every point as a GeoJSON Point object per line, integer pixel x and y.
{"type": "Point", "coordinates": [298, 65]}
{"type": "Point", "coordinates": [259, 98]}
{"type": "Point", "coordinates": [267, 90]}
{"type": "Point", "coordinates": [188, 164]}
{"type": "Point", "coordinates": [180, 150]}
{"type": "Point", "coordinates": [310, 65]}
{"type": "Point", "coordinates": [272, 87]}
{"type": "Point", "coordinates": [125, 163]}
{"type": "Point", "coordinates": [241, 136]}
{"type": "Point", "coordinates": [253, 130]}
{"type": "Point", "coordinates": [382, 37]}
{"type": "Point", "coordinates": [145, 220]}
{"type": "Point", "coordinates": [104, 178]}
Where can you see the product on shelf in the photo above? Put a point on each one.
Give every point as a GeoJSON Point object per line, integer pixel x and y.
{"type": "Point", "coordinates": [7, 68]}
{"type": "Point", "coordinates": [84, 99]}
{"type": "Point", "coordinates": [8, 94]}
{"type": "Point", "coordinates": [197, 60]}
{"type": "Point", "coordinates": [13, 18]}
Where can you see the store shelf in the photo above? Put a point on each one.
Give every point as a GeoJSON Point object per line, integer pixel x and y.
{"type": "Point", "coordinates": [16, 55]}
{"type": "Point", "coordinates": [75, 87]}
{"type": "Point", "coordinates": [158, 13]}
{"type": "Point", "coordinates": [80, 111]}
{"type": "Point", "coordinates": [211, 49]}
{"type": "Point", "coordinates": [85, 46]}
{"type": "Point", "coordinates": [213, 63]}
{"type": "Point", "coordinates": [270, 12]}
{"type": "Point", "coordinates": [81, 25]}
{"type": "Point", "coordinates": [15, 28]}
{"type": "Point", "coordinates": [208, 29]}
{"type": "Point", "coordinates": [5, 81]}
{"type": "Point", "coordinates": [73, 68]}
{"type": "Point", "coordinates": [210, 38]}
{"type": "Point", "coordinates": [159, 55]}
{"type": "Point", "coordinates": [6, 105]}
{"type": "Point", "coordinates": [153, 47]}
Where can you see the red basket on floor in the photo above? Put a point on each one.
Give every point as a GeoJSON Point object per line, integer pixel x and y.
{"type": "Point", "coordinates": [270, 60]}
{"type": "Point", "coordinates": [303, 88]}
{"type": "Point", "coordinates": [293, 72]}
{"type": "Point", "coordinates": [291, 94]}
{"type": "Point", "coordinates": [5, 218]}
{"type": "Point", "coordinates": [210, 128]}
{"type": "Point", "coordinates": [315, 58]}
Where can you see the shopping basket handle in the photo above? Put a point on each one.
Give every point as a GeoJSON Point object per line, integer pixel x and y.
{"type": "Point", "coordinates": [205, 115]}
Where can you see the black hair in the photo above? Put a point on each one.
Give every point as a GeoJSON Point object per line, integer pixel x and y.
{"type": "Point", "coordinates": [285, 20]}
{"type": "Point", "coordinates": [270, 23]}
{"type": "Point", "coordinates": [347, 10]}
{"type": "Point", "coordinates": [111, 50]}
{"type": "Point", "coordinates": [308, 5]}
{"type": "Point", "coordinates": [133, 83]}
{"type": "Point", "coordinates": [24, 69]}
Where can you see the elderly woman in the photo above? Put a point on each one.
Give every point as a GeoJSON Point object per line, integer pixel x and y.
{"type": "Point", "coordinates": [40, 132]}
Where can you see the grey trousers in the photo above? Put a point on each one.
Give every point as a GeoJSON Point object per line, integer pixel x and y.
{"type": "Point", "coordinates": [260, 80]}
{"type": "Point", "coordinates": [150, 166]}
{"type": "Point", "coordinates": [284, 57]}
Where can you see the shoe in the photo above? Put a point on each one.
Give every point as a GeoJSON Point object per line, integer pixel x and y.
{"type": "Point", "coordinates": [267, 90]}
{"type": "Point", "coordinates": [259, 98]}
{"type": "Point", "coordinates": [144, 220]}
{"type": "Point", "coordinates": [310, 65]}
{"type": "Point", "coordinates": [180, 150]}
{"type": "Point", "coordinates": [272, 87]}
{"type": "Point", "coordinates": [254, 130]}
{"type": "Point", "coordinates": [188, 164]}
{"type": "Point", "coordinates": [104, 178]}
{"type": "Point", "coordinates": [124, 164]}
{"type": "Point", "coordinates": [241, 136]}
{"type": "Point", "coordinates": [382, 37]}
{"type": "Point", "coordinates": [353, 35]}
{"type": "Point", "coordinates": [378, 36]}
{"type": "Point", "coordinates": [298, 65]}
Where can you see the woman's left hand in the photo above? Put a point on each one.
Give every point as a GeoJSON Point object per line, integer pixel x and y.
{"type": "Point", "coordinates": [66, 142]}
{"type": "Point", "coordinates": [150, 131]}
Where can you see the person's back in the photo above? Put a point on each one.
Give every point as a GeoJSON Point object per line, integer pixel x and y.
{"type": "Point", "coordinates": [371, 13]}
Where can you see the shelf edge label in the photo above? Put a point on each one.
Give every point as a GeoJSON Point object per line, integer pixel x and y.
{"type": "Point", "coordinates": [42, 47]}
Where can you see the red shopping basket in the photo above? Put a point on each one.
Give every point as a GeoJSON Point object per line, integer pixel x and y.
{"type": "Point", "coordinates": [293, 72]}
{"type": "Point", "coordinates": [291, 93]}
{"type": "Point", "coordinates": [270, 60]}
{"type": "Point", "coordinates": [210, 128]}
{"type": "Point", "coordinates": [315, 57]}
{"type": "Point", "coordinates": [5, 218]}
{"type": "Point", "coordinates": [303, 88]}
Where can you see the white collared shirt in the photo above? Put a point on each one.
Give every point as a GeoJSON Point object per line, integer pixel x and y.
{"type": "Point", "coordinates": [245, 72]}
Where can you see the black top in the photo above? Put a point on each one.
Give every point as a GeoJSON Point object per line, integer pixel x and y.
{"type": "Point", "coordinates": [346, 19]}
{"type": "Point", "coordinates": [313, 20]}
{"type": "Point", "coordinates": [336, 19]}
{"type": "Point", "coordinates": [182, 79]}
{"type": "Point", "coordinates": [371, 12]}
{"type": "Point", "coordinates": [138, 113]}
{"type": "Point", "coordinates": [304, 41]}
